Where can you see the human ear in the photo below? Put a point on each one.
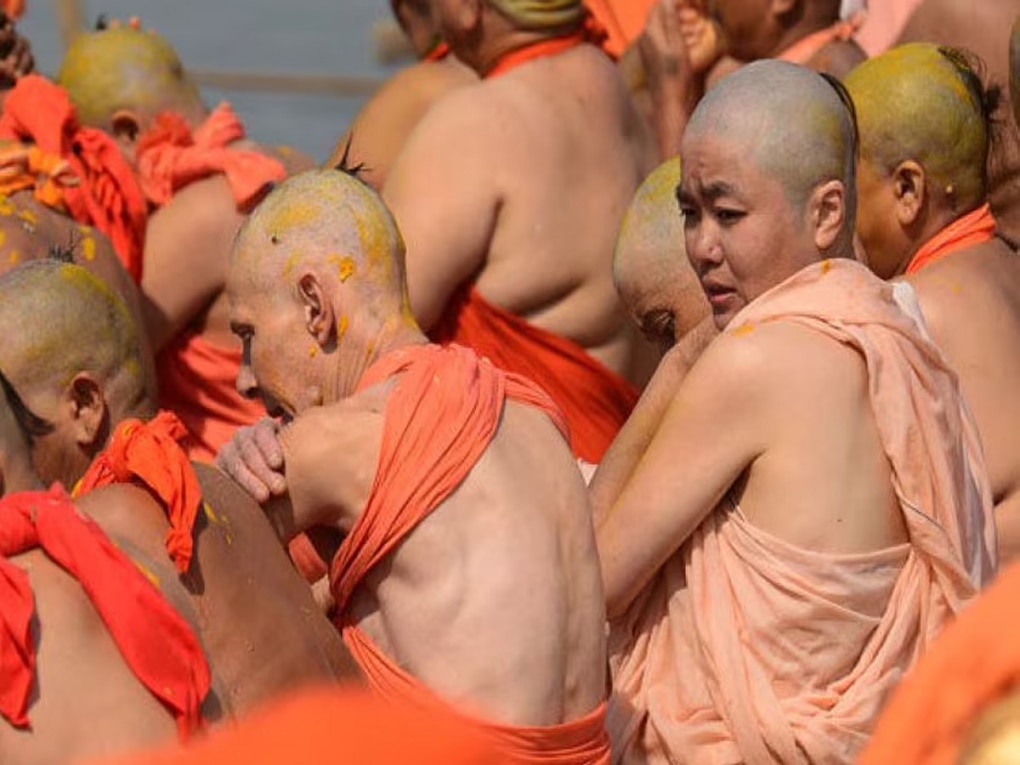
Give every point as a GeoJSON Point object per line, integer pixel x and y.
{"type": "Point", "coordinates": [125, 126]}
{"type": "Point", "coordinates": [828, 209]}
{"type": "Point", "coordinates": [318, 310]}
{"type": "Point", "coordinates": [86, 404]}
{"type": "Point", "coordinates": [909, 192]}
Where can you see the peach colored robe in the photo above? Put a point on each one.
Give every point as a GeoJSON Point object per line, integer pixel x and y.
{"type": "Point", "coordinates": [746, 648]}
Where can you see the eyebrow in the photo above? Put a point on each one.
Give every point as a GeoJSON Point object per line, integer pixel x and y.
{"type": "Point", "coordinates": [711, 192]}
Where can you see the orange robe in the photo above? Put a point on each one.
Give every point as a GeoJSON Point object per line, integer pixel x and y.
{"type": "Point", "coordinates": [595, 400]}
{"type": "Point", "coordinates": [974, 663]}
{"type": "Point", "coordinates": [440, 418]}
{"type": "Point", "coordinates": [14, 8]}
{"type": "Point", "coordinates": [107, 195]}
{"type": "Point", "coordinates": [340, 725]}
{"type": "Point", "coordinates": [24, 167]}
{"type": "Point", "coordinates": [156, 643]}
{"type": "Point", "coordinates": [623, 20]}
{"type": "Point", "coordinates": [148, 453]}
{"type": "Point", "coordinates": [976, 227]}
{"type": "Point", "coordinates": [746, 648]}
{"type": "Point", "coordinates": [198, 379]}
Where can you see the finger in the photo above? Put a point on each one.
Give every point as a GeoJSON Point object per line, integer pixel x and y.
{"type": "Point", "coordinates": [229, 461]}
{"type": "Point", "coordinates": [267, 439]}
{"type": "Point", "coordinates": [254, 460]}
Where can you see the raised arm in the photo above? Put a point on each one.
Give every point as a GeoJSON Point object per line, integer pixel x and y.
{"type": "Point", "coordinates": [710, 433]}
{"type": "Point", "coordinates": [445, 197]}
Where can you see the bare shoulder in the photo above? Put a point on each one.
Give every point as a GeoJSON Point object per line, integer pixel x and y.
{"type": "Point", "coordinates": [203, 201]}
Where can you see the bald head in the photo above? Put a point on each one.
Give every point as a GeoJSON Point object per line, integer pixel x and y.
{"type": "Point", "coordinates": [328, 220]}
{"type": "Point", "coordinates": [650, 266]}
{"type": "Point", "coordinates": [123, 68]}
{"type": "Point", "coordinates": [796, 126]}
{"type": "Point", "coordinates": [924, 103]}
{"type": "Point", "coordinates": [60, 320]}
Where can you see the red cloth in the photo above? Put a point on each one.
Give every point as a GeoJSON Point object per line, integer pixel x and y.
{"type": "Point", "coordinates": [438, 53]}
{"type": "Point", "coordinates": [198, 382]}
{"type": "Point", "coordinates": [343, 725]}
{"type": "Point", "coordinates": [595, 400]}
{"type": "Point", "coordinates": [107, 196]}
{"type": "Point", "coordinates": [171, 156]}
{"type": "Point", "coordinates": [973, 228]}
{"type": "Point", "coordinates": [440, 418]}
{"type": "Point", "coordinates": [623, 20]}
{"type": "Point", "coordinates": [25, 167]}
{"type": "Point", "coordinates": [156, 643]}
{"type": "Point", "coordinates": [149, 453]}
{"type": "Point", "coordinates": [972, 664]}
{"type": "Point", "coordinates": [808, 47]}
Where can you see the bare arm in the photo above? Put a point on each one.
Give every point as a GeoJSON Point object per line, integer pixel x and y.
{"type": "Point", "coordinates": [443, 192]}
{"type": "Point", "coordinates": [709, 435]}
{"type": "Point", "coordinates": [187, 251]}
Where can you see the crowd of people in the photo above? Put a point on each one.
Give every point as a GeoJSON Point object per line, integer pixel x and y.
{"type": "Point", "coordinates": [635, 383]}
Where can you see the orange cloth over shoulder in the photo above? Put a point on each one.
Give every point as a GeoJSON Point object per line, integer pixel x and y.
{"type": "Point", "coordinates": [745, 648]}
{"type": "Point", "coordinates": [440, 417]}
{"type": "Point", "coordinates": [149, 453]}
{"type": "Point", "coordinates": [972, 664]}
{"type": "Point", "coordinates": [24, 167]}
{"type": "Point", "coordinates": [334, 725]}
{"type": "Point", "coordinates": [975, 227]}
{"type": "Point", "coordinates": [623, 20]}
{"type": "Point", "coordinates": [171, 156]}
{"type": "Point", "coordinates": [107, 195]}
{"type": "Point", "coordinates": [198, 382]}
{"type": "Point", "coordinates": [156, 643]}
{"type": "Point", "coordinates": [595, 400]}
{"type": "Point", "coordinates": [14, 9]}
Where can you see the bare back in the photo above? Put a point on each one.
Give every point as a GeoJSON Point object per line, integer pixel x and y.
{"type": "Point", "coordinates": [971, 302]}
{"type": "Point", "coordinates": [86, 701]}
{"type": "Point", "coordinates": [529, 173]}
{"type": "Point", "coordinates": [260, 627]}
{"type": "Point", "coordinates": [494, 601]}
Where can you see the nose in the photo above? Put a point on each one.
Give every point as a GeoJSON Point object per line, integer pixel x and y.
{"type": "Point", "coordinates": [704, 250]}
{"type": "Point", "coordinates": [247, 385]}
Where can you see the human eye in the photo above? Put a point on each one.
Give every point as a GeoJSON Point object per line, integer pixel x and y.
{"type": "Point", "coordinates": [728, 215]}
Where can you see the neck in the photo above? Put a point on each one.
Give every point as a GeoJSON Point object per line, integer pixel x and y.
{"type": "Point", "coordinates": [492, 47]}
{"type": "Point", "coordinates": [807, 23]}
{"type": "Point", "coordinates": [397, 332]}
{"type": "Point", "coordinates": [18, 476]}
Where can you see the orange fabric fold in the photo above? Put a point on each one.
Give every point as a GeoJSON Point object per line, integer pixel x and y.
{"type": "Point", "coordinates": [805, 49]}
{"type": "Point", "coordinates": [745, 648]}
{"type": "Point", "coordinates": [595, 400]}
{"type": "Point", "coordinates": [440, 51]}
{"type": "Point", "coordinates": [198, 383]}
{"type": "Point", "coordinates": [968, 230]}
{"type": "Point", "coordinates": [107, 195]}
{"type": "Point", "coordinates": [156, 643]}
{"type": "Point", "coordinates": [26, 167]}
{"type": "Point", "coordinates": [440, 417]}
{"type": "Point", "coordinates": [971, 665]}
{"type": "Point", "coordinates": [301, 729]}
{"type": "Point", "coordinates": [149, 453]}
{"type": "Point", "coordinates": [623, 20]}
{"type": "Point", "coordinates": [541, 49]}
{"type": "Point", "coordinates": [171, 156]}
{"type": "Point", "coordinates": [306, 559]}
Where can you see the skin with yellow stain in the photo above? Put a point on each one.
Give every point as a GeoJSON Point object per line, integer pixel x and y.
{"type": "Point", "coordinates": [88, 248]}
{"type": "Point", "coordinates": [743, 330]}
{"type": "Point", "coordinates": [14, 258]}
{"type": "Point", "coordinates": [341, 326]}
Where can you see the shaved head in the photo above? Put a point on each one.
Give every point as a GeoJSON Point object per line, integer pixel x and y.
{"type": "Point", "coordinates": [123, 68]}
{"type": "Point", "coordinates": [797, 125]}
{"type": "Point", "coordinates": [925, 103]}
{"type": "Point", "coordinates": [59, 320]}
{"type": "Point", "coordinates": [650, 266]}
{"type": "Point", "coordinates": [316, 288]}
{"type": "Point", "coordinates": [326, 219]}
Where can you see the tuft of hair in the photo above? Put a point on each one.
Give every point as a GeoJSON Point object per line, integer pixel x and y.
{"type": "Point", "coordinates": [927, 103]}
{"type": "Point", "coordinates": [344, 165]}
{"type": "Point", "coordinates": [62, 320]}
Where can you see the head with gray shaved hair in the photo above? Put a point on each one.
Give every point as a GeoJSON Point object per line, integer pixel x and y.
{"type": "Point", "coordinates": [767, 186]}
